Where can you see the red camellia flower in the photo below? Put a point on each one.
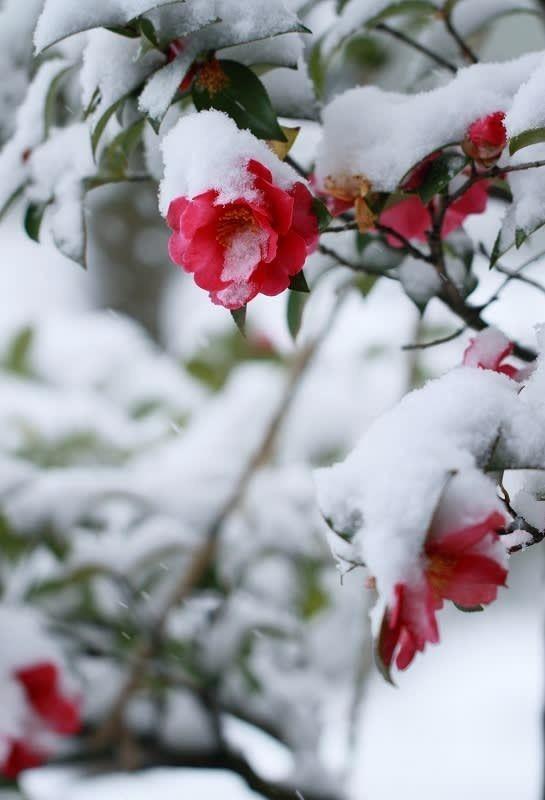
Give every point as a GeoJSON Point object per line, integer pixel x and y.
{"type": "Point", "coordinates": [41, 685]}
{"type": "Point", "coordinates": [486, 139]}
{"type": "Point", "coordinates": [240, 249]}
{"type": "Point", "coordinates": [489, 350]}
{"type": "Point", "coordinates": [465, 566]}
{"type": "Point", "coordinates": [21, 756]}
{"type": "Point", "coordinates": [55, 711]}
{"type": "Point", "coordinates": [412, 219]}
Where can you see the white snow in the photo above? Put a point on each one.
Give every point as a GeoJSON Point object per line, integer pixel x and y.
{"type": "Point", "coordinates": [207, 151]}
{"type": "Point", "coordinates": [382, 135]}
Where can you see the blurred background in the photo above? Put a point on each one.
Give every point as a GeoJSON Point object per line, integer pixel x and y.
{"type": "Point", "coordinates": [130, 409]}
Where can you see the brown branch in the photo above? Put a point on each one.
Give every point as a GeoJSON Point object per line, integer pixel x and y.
{"type": "Point", "coordinates": [113, 728]}
{"type": "Point", "coordinates": [465, 49]}
{"type": "Point", "coordinates": [443, 340]}
{"type": "Point", "coordinates": [402, 37]}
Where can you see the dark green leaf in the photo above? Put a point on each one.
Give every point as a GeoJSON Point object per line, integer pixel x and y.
{"type": "Point", "coordinates": [51, 99]}
{"type": "Point", "coordinates": [100, 127]}
{"type": "Point", "coordinates": [298, 283]}
{"type": "Point", "coordinates": [243, 98]}
{"type": "Point", "coordinates": [239, 317]}
{"type": "Point", "coordinates": [33, 219]}
{"type": "Point", "coordinates": [294, 311]}
{"type": "Point", "coordinates": [520, 237]}
{"type": "Point", "coordinates": [114, 160]}
{"type": "Point", "coordinates": [440, 173]}
{"type": "Point", "coordinates": [525, 139]}
{"type": "Point", "coordinates": [148, 31]}
{"type": "Point", "coordinates": [322, 214]}
{"type": "Point", "coordinates": [469, 609]}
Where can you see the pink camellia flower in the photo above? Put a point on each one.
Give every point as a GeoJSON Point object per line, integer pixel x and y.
{"type": "Point", "coordinates": [412, 219]}
{"type": "Point", "coordinates": [240, 249]}
{"type": "Point", "coordinates": [488, 350]}
{"type": "Point", "coordinates": [335, 205]}
{"type": "Point", "coordinates": [465, 566]}
{"type": "Point", "coordinates": [53, 711]}
{"type": "Point", "coordinates": [486, 139]}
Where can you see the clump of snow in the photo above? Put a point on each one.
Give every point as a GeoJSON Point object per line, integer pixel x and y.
{"type": "Point", "coordinates": [113, 65]}
{"type": "Point", "coordinates": [382, 135]}
{"type": "Point", "coordinates": [30, 129]}
{"type": "Point", "coordinates": [58, 168]}
{"type": "Point", "coordinates": [385, 494]}
{"type": "Point", "coordinates": [527, 110]}
{"type": "Point", "coordinates": [227, 23]}
{"type": "Point", "coordinates": [62, 18]}
{"type": "Point", "coordinates": [207, 151]}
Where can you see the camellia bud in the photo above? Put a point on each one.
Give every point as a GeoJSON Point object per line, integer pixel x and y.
{"type": "Point", "coordinates": [486, 139]}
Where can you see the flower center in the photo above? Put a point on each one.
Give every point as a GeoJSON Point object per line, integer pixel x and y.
{"type": "Point", "coordinates": [212, 78]}
{"type": "Point", "coordinates": [439, 571]}
{"type": "Point", "coordinates": [233, 221]}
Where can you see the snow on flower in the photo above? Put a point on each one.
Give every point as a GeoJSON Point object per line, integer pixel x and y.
{"type": "Point", "coordinates": [413, 492]}
{"type": "Point", "coordinates": [486, 139]}
{"type": "Point", "coordinates": [488, 350]}
{"type": "Point", "coordinates": [464, 564]}
{"type": "Point", "coordinates": [382, 135]}
{"type": "Point", "coordinates": [242, 222]}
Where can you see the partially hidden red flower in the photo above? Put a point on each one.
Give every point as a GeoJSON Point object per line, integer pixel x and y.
{"type": "Point", "coordinates": [335, 205]}
{"type": "Point", "coordinates": [486, 139]}
{"type": "Point", "coordinates": [488, 350]}
{"type": "Point", "coordinates": [464, 566]}
{"type": "Point", "coordinates": [41, 683]}
{"type": "Point", "coordinates": [21, 756]}
{"type": "Point", "coordinates": [412, 219]}
{"type": "Point", "coordinates": [242, 248]}
{"type": "Point", "coordinates": [175, 48]}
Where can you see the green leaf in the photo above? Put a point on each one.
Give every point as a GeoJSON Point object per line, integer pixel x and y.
{"type": "Point", "coordinates": [239, 317]}
{"type": "Point", "coordinates": [294, 312]}
{"type": "Point", "coordinates": [402, 7]}
{"type": "Point", "coordinates": [114, 160]}
{"type": "Point", "coordinates": [33, 219]}
{"type": "Point", "coordinates": [243, 98]}
{"type": "Point", "coordinates": [100, 127]}
{"type": "Point", "coordinates": [51, 99]}
{"type": "Point", "coordinates": [298, 283]}
{"type": "Point", "coordinates": [16, 358]}
{"type": "Point", "coordinates": [469, 609]}
{"type": "Point", "coordinates": [321, 213]}
{"type": "Point", "coordinates": [440, 173]}
{"type": "Point", "coordinates": [148, 32]}
{"type": "Point", "coordinates": [520, 237]}
{"type": "Point", "coordinates": [526, 139]}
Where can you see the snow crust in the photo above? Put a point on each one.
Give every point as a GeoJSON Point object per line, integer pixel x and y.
{"type": "Point", "coordinates": [207, 151]}
{"type": "Point", "coordinates": [382, 135]}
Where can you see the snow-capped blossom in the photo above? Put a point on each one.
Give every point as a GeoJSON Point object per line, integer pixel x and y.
{"type": "Point", "coordinates": [488, 350]}
{"type": "Point", "coordinates": [486, 139]}
{"type": "Point", "coordinates": [412, 219]}
{"type": "Point", "coordinates": [465, 565]}
{"type": "Point", "coordinates": [48, 710]}
{"type": "Point", "coordinates": [239, 249]}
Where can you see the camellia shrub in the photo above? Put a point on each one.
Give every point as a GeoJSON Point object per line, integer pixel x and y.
{"type": "Point", "coordinates": [219, 103]}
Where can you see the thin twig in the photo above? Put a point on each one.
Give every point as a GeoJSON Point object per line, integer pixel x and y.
{"type": "Point", "coordinates": [465, 49]}
{"type": "Point", "coordinates": [443, 340]}
{"type": "Point", "coordinates": [403, 37]}
{"type": "Point", "coordinates": [205, 554]}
